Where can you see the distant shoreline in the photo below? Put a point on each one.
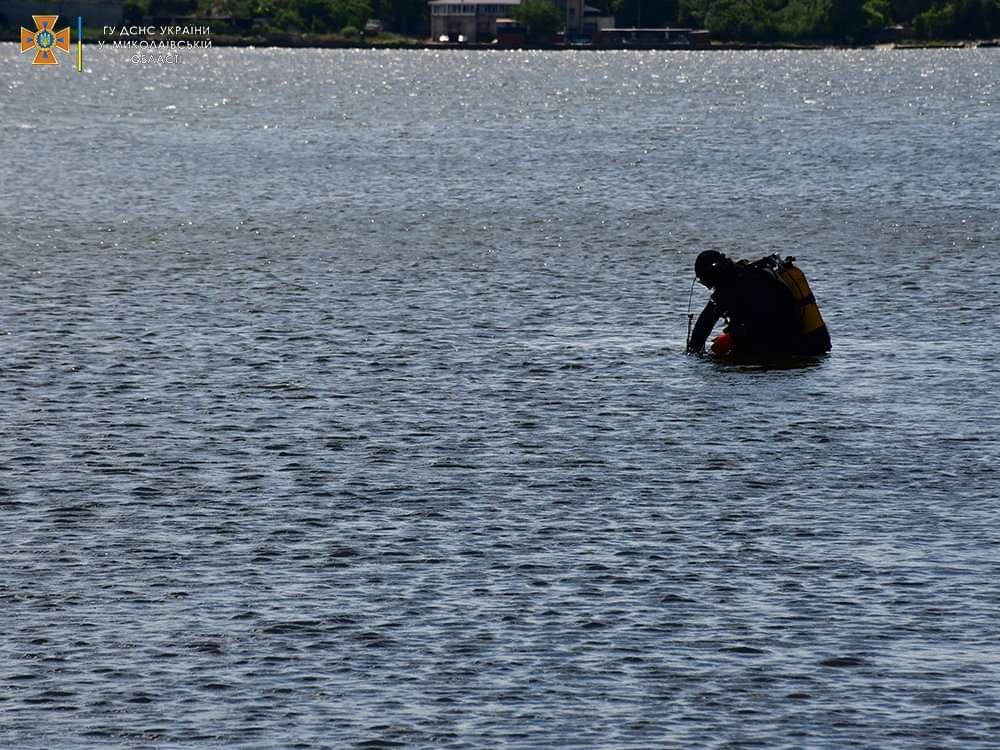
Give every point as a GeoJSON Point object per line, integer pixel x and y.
{"type": "Point", "coordinates": [317, 41]}
{"type": "Point", "coordinates": [313, 42]}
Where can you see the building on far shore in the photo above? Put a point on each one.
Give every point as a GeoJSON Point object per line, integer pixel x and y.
{"type": "Point", "coordinates": [594, 21]}
{"type": "Point", "coordinates": [652, 38]}
{"type": "Point", "coordinates": [489, 21]}
{"type": "Point", "coordinates": [572, 14]}
{"type": "Point", "coordinates": [469, 20]}
{"type": "Point", "coordinates": [95, 13]}
{"type": "Point", "coordinates": [476, 20]}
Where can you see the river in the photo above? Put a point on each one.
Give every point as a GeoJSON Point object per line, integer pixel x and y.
{"type": "Point", "coordinates": [345, 401]}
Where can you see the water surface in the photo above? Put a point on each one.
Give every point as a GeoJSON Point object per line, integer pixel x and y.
{"type": "Point", "coordinates": [345, 402]}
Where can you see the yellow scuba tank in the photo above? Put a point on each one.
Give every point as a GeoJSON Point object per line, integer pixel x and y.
{"type": "Point", "coordinates": [792, 277]}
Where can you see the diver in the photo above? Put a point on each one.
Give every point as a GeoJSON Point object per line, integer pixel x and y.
{"type": "Point", "coordinates": [769, 308]}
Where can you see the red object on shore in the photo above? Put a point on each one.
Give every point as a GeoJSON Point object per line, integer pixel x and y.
{"type": "Point", "coordinates": [722, 344]}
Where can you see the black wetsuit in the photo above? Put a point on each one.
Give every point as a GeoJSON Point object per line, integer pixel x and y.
{"type": "Point", "coordinates": [763, 316]}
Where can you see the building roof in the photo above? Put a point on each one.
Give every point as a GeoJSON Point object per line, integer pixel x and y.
{"type": "Point", "coordinates": [474, 2]}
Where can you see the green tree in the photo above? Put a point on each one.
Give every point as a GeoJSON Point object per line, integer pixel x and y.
{"type": "Point", "coordinates": [352, 13]}
{"type": "Point", "coordinates": [973, 18]}
{"type": "Point", "coordinates": [847, 19]}
{"type": "Point", "coordinates": [134, 11]}
{"type": "Point", "coordinates": [747, 20]}
{"type": "Point", "coordinates": [541, 18]}
{"type": "Point", "coordinates": [650, 14]}
{"type": "Point", "coordinates": [878, 14]}
{"type": "Point", "coordinates": [401, 16]}
{"type": "Point", "coordinates": [315, 15]}
{"type": "Point", "coordinates": [960, 19]}
{"type": "Point", "coordinates": [935, 23]}
{"type": "Point", "coordinates": [693, 13]}
{"type": "Point", "coordinates": [802, 19]}
{"type": "Point", "coordinates": [330, 16]}
{"type": "Point", "coordinates": [907, 10]}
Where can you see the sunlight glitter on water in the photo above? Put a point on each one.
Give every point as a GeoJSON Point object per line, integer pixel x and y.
{"type": "Point", "coordinates": [374, 426]}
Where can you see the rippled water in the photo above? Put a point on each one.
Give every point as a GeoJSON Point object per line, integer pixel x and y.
{"type": "Point", "coordinates": [345, 402]}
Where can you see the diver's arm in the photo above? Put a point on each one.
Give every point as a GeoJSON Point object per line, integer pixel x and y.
{"type": "Point", "coordinates": [706, 322]}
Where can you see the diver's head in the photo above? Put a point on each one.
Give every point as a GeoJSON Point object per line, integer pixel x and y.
{"type": "Point", "coordinates": [711, 267]}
